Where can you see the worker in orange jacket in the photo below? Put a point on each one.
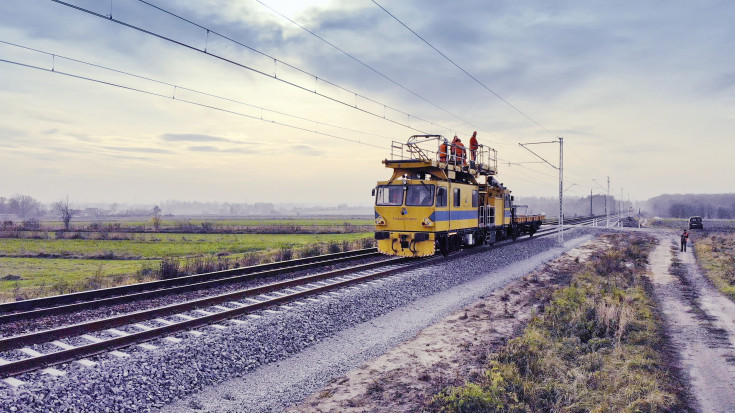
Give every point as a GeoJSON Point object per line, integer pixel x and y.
{"type": "Point", "coordinates": [443, 150]}
{"type": "Point", "coordinates": [473, 146]}
{"type": "Point", "coordinates": [458, 151]}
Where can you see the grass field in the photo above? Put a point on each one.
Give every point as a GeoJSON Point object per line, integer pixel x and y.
{"type": "Point", "coordinates": [214, 223]}
{"type": "Point", "coordinates": [716, 254]}
{"type": "Point", "coordinates": [159, 245]}
{"type": "Point", "coordinates": [41, 267]}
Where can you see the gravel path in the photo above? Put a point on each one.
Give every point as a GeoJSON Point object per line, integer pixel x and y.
{"type": "Point", "coordinates": [701, 324]}
{"type": "Point", "coordinates": [289, 343]}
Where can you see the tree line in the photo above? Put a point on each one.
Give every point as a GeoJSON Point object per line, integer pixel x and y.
{"type": "Point", "coordinates": [712, 206]}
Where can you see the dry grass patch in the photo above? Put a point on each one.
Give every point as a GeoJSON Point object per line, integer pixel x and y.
{"type": "Point", "coordinates": [593, 349]}
{"type": "Point", "coordinates": [716, 255]}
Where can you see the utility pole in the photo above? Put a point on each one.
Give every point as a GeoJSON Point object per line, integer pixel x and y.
{"type": "Point", "coordinates": [561, 181]}
{"type": "Point", "coordinates": [561, 190]}
{"type": "Point", "coordinates": [591, 214]}
{"type": "Point", "coordinates": [607, 214]}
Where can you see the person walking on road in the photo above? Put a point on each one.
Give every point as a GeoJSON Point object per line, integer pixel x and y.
{"type": "Point", "coordinates": [684, 239]}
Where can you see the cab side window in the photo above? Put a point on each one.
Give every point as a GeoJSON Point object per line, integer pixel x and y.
{"type": "Point", "coordinates": [456, 197]}
{"type": "Point", "coordinates": [475, 198]}
{"type": "Point", "coordinates": [441, 196]}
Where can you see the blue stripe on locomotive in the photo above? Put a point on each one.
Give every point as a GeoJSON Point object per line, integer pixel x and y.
{"type": "Point", "coordinates": [438, 216]}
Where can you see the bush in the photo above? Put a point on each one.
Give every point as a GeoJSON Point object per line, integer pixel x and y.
{"type": "Point", "coordinates": [333, 248]}
{"type": "Point", "coordinates": [169, 268]}
{"type": "Point", "coordinates": [284, 254]}
{"type": "Point", "coordinates": [593, 349]}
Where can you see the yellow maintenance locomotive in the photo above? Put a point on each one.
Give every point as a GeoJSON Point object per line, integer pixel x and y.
{"type": "Point", "coordinates": [438, 200]}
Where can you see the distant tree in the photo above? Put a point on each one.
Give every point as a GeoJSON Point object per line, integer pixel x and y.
{"type": "Point", "coordinates": [724, 213]}
{"type": "Point", "coordinates": [156, 217]}
{"type": "Point", "coordinates": [65, 212]}
{"type": "Point", "coordinates": [25, 206]}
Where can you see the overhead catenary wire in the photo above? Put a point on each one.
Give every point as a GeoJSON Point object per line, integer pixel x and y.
{"type": "Point", "coordinates": [209, 31]}
{"type": "Point", "coordinates": [364, 64]}
{"type": "Point", "coordinates": [55, 70]}
{"type": "Point", "coordinates": [465, 71]}
{"type": "Point", "coordinates": [474, 78]}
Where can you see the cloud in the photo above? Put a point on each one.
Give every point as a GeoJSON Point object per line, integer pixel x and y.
{"type": "Point", "coordinates": [191, 137]}
{"type": "Point", "coordinates": [307, 150]}
{"type": "Point", "coordinates": [214, 149]}
{"type": "Point", "coordinates": [204, 148]}
{"type": "Point", "coordinates": [46, 171]}
{"type": "Point", "coordinates": [719, 85]}
{"type": "Point", "coordinates": [137, 149]}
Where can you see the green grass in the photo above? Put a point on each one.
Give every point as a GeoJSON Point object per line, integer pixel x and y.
{"type": "Point", "coordinates": [594, 349]}
{"type": "Point", "coordinates": [57, 266]}
{"type": "Point", "coordinates": [168, 223]}
{"type": "Point", "coordinates": [40, 277]}
{"type": "Point", "coordinates": [159, 245]}
{"type": "Point", "coordinates": [716, 255]}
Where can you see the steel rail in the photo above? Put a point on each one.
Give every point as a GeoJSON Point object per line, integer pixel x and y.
{"type": "Point", "coordinates": [57, 300]}
{"type": "Point", "coordinates": [27, 339]}
{"type": "Point", "coordinates": [34, 363]}
{"type": "Point", "coordinates": [68, 308]}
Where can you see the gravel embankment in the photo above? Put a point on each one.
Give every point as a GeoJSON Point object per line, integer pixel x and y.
{"type": "Point", "coordinates": [151, 379]}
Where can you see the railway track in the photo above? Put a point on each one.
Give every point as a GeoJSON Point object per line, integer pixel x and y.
{"type": "Point", "coordinates": [41, 349]}
{"type": "Point", "coordinates": [68, 303]}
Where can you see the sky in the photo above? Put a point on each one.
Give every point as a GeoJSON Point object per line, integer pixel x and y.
{"type": "Point", "coordinates": [226, 110]}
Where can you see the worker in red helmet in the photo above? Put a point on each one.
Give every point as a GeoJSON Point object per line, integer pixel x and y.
{"type": "Point", "coordinates": [473, 146]}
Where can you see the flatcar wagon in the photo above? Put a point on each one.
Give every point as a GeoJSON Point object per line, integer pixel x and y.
{"type": "Point", "coordinates": [436, 200]}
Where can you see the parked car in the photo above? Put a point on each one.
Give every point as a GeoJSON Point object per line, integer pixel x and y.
{"type": "Point", "coordinates": [695, 223]}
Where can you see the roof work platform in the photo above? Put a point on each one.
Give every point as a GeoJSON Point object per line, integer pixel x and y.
{"type": "Point", "coordinates": [426, 154]}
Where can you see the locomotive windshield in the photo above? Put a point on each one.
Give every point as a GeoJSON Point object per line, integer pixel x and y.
{"type": "Point", "coordinates": [389, 195]}
{"type": "Point", "coordinates": [420, 195]}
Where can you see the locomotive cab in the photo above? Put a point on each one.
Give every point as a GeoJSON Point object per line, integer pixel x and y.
{"type": "Point", "coordinates": [403, 211]}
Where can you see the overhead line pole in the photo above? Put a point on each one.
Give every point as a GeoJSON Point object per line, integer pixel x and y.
{"type": "Point", "coordinates": [561, 190]}
{"type": "Point", "coordinates": [561, 181]}
{"type": "Point", "coordinates": [607, 213]}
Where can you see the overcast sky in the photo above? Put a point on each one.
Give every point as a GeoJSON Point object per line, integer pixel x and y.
{"type": "Point", "coordinates": [642, 91]}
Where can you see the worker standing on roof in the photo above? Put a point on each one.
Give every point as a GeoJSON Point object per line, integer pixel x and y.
{"type": "Point", "coordinates": [459, 151]}
{"type": "Point", "coordinates": [443, 150]}
{"type": "Point", "coordinates": [473, 146]}
{"type": "Point", "coordinates": [455, 150]}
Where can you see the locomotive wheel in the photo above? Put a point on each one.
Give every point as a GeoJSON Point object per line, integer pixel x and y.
{"type": "Point", "coordinates": [444, 246]}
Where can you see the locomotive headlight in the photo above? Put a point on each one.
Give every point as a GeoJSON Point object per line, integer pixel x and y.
{"type": "Point", "coordinates": [427, 222]}
{"type": "Point", "coordinates": [379, 220]}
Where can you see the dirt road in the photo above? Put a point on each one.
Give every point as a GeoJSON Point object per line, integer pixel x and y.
{"type": "Point", "coordinates": [701, 325]}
